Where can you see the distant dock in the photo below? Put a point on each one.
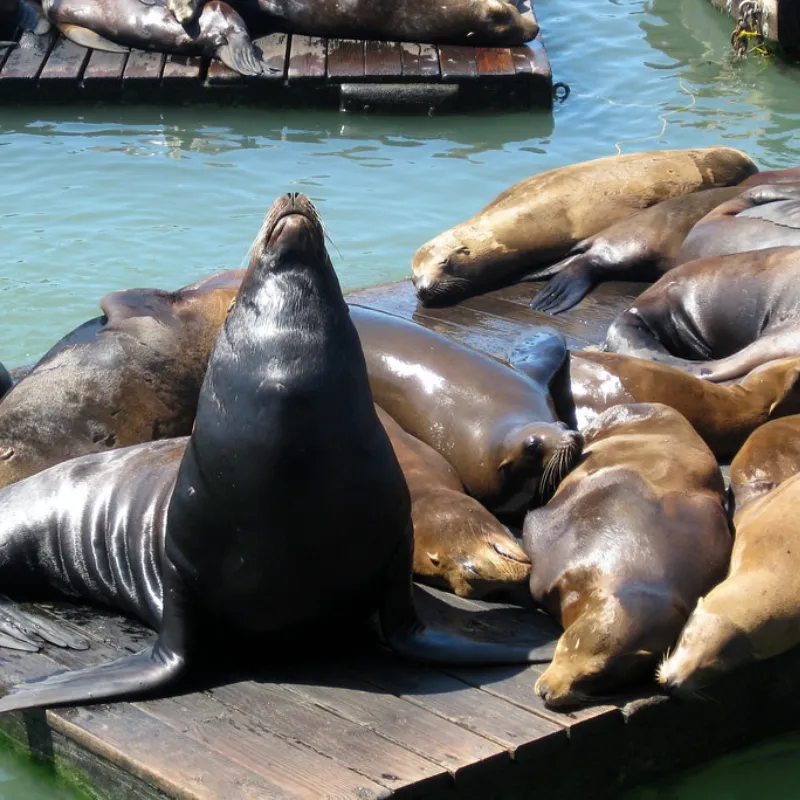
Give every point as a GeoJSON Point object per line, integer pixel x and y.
{"type": "Point", "coordinates": [363, 724]}
{"type": "Point", "coordinates": [347, 74]}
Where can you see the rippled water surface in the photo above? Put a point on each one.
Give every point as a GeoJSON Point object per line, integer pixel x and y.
{"type": "Point", "coordinates": [96, 199]}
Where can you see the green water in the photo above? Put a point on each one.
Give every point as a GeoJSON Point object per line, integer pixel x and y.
{"type": "Point", "coordinates": [95, 199]}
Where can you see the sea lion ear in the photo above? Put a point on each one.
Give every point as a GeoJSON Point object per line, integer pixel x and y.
{"type": "Point", "coordinates": [434, 558]}
{"type": "Point", "coordinates": [540, 355]}
{"type": "Point", "coordinates": [787, 400]}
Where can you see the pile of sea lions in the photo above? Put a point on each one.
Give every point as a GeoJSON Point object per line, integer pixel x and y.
{"type": "Point", "coordinates": [224, 30]}
{"type": "Point", "coordinates": [250, 456]}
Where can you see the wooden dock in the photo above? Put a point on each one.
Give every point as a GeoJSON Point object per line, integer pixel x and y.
{"type": "Point", "coordinates": [348, 74]}
{"type": "Point", "coordinates": [780, 19]}
{"type": "Point", "coordinates": [358, 722]}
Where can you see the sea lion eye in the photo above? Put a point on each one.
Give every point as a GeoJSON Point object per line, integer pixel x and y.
{"type": "Point", "coordinates": [532, 446]}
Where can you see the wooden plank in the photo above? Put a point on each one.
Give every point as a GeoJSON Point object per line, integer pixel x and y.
{"type": "Point", "coordinates": [27, 59]}
{"type": "Point", "coordinates": [494, 61]}
{"type": "Point", "coordinates": [307, 56]}
{"type": "Point", "coordinates": [274, 53]}
{"type": "Point", "coordinates": [345, 59]}
{"type": "Point", "coordinates": [178, 69]}
{"type": "Point", "coordinates": [219, 73]}
{"type": "Point", "coordinates": [104, 67]}
{"type": "Point", "coordinates": [419, 60]}
{"type": "Point", "coordinates": [65, 62]}
{"type": "Point", "coordinates": [524, 60]}
{"type": "Point", "coordinates": [463, 753]}
{"type": "Point", "coordinates": [143, 66]}
{"type": "Point", "coordinates": [457, 62]}
{"type": "Point", "coordinates": [383, 59]}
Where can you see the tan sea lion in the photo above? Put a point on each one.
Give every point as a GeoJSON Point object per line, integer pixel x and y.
{"type": "Point", "coordinates": [496, 427]}
{"type": "Point", "coordinates": [770, 456]}
{"type": "Point", "coordinates": [536, 222]}
{"type": "Point", "coordinates": [724, 416]}
{"type": "Point", "coordinates": [457, 542]}
{"type": "Point", "coordinates": [754, 613]}
{"type": "Point", "coordinates": [717, 318]}
{"type": "Point", "coordinates": [131, 376]}
{"type": "Point", "coordinates": [118, 25]}
{"type": "Point", "coordinates": [633, 536]}
{"type": "Point", "coordinates": [761, 217]}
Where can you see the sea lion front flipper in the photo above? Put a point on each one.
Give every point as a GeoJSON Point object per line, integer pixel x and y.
{"type": "Point", "coordinates": [539, 355]}
{"type": "Point", "coordinates": [407, 635]}
{"type": "Point", "coordinates": [87, 38]}
{"type": "Point", "coordinates": [566, 289]}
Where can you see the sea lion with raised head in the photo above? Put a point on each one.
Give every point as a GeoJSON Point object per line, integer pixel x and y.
{"type": "Point", "coordinates": [457, 542]}
{"type": "Point", "coordinates": [761, 217]}
{"type": "Point", "coordinates": [633, 536]}
{"type": "Point", "coordinates": [127, 377]}
{"type": "Point", "coordinates": [496, 427]}
{"type": "Point", "coordinates": [287, 457]}
{"type": "Point", "coordinates": [754, 613]}
{"type": "Point", "coordinates": [536, 222]}
{"type": "Point", "coordinates": [118, 25]}
{"type": "Point", "coordinates": [717, 318]}
{"type": "Point", "coordinates": [724, 416]}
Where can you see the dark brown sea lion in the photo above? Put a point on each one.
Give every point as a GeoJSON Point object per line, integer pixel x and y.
{"type": "Point", "coordinates": [761, 217]}
{"type": "Point", "coordinates": [634, 535]}
{"type": "Point", "coordinates": [754, 613]}
{"type": "Point", "coordinates": [773, 177]}
{"type": "Point", "coordinates": [6, 381]}
{"type": "Point", "coordinates": [223, 533]}
{"type": "Point", "coordinates": [717, 318]}
{"type": "Point", "coordinates": [724, 416]}
{"type": "Point", "coordinates": [117, 25]}
{"type": "Point", "coordinates": [536, 222]}
{"type": "Point", "coordinates": [496, 427]}
{"type": "Point", "coordinates": [131, 376]}
{"type": "Point", "coordinates": [641, 247]}
{"type": "Point", "coordinates": [770, 456]}
{"type": "Point", "coordinates": [457, 542]}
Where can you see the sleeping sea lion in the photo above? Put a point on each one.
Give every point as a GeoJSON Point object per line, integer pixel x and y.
{"type": "Point", "coordinates": [130, 376]}
{"type": "Point", "coordinates": [717, 318]}
{"type": "Point", "coordinates": [724, 416]}
{"type": "Point", "coordinates": [496, 427]}
{"type": "Point", "coordinates": [633, 536]}
{"type": "Point", "coordinates": [287, 457]}
{"type": "Point", "coordinates": [761, 217]}
{"type": "Point", "coordinates": [117, 25]}
{"type": "Point", "coordinates": [754, 613]}
{"type": "Point", "coordinates": [536, 222]}
{"type": "Point", "coordinates": [457, 542]}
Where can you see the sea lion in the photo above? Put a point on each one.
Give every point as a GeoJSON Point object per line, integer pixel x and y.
{"type": "Point", "coordinates": [496, 427]}
{"type": "Point", "coordinates": [761, 217]}
{"type": "Point", "coordinates": [457, 542]}
{"type": "Point", "coordinates": [118, 25]}
{"type": "Point", "coordinates": [633, 536]}
{"type": "Point", "coordinates": [128, 377]}
{"type": "Point", "coordinates": [463, 22]}
{"type": "Point", "coordinates": [770, 456]}
{"type": "Point", "coordinates": [724, 416]}
{"type": "Point", "coordinates": [773, 177]}
{"type": "Point", "coordinates": [641, 247]}
{"type": "Point", "coordinates": [717, 318]}
{"type": "Point", "coordinates": [287, 457]}
{"type": "Point", "coordinates": [6, 381]}
{"type": "Point", "coordinates": [755, 612]}
{"type": "Point", "coordinates": [536, 222]}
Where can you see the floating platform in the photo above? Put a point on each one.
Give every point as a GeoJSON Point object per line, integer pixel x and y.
{"type": "Point", "coordinates": [780, 19]}
{"type": "Point", "coordinates": [349, 74]}
{"type": "Point", "coordinates": [357, 722]}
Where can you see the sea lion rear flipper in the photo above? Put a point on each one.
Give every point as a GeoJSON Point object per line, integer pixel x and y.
{"type": "Point", "coordinates": [407, 635]}
{"type": "Point", "coordinates": [240, 54]}
{"type": "Point", "coordinates": [133, 675]}
{"type": "Point", "coordinates": [539, 355]}
{"type": "Point", "coordinates": [566, 289]}
{"type": "Point", "coordinates": [87, 38]}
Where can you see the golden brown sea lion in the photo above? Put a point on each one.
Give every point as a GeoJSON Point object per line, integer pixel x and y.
{"type": "Point", "coordinates": [755, 612]}
{"type": "Point", "coordinates": [537, 221]}
{"type": "Point", "coordinates": [632, 537]}
{"type": "Point", "coordinates": [457, 542]}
